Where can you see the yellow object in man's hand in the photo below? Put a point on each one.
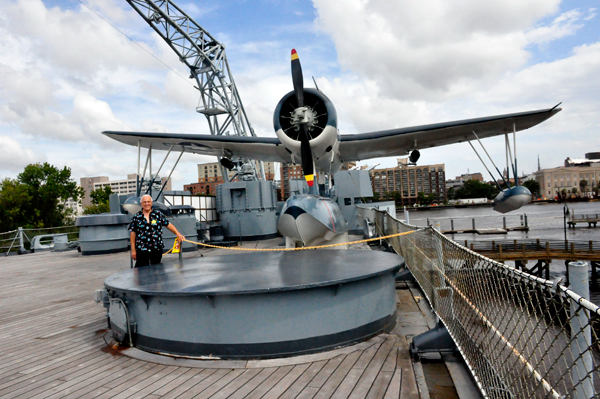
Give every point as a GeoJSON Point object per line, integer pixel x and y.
{"type": "Point", "coordinates": [175, 249]}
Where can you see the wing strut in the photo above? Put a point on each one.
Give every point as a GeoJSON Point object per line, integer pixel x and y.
{"type": "Point", "coordinates": [497, 170]}
{"type": "Point", "coordinates": [172, 170]}
{"type": "Point", "coordinates": [141, 181]}
{"type": "Point", "coordinates": [485, 166]}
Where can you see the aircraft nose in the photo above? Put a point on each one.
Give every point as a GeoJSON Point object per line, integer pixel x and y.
{"type": "Point", "coordinates": [294, 211]}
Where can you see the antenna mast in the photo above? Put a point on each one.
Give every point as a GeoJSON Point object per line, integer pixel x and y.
{"type": "Point", "coordinates": [205, 57]}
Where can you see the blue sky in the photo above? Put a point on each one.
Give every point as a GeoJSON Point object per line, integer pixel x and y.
{"type": "Point", "coordinates": [66, 75]}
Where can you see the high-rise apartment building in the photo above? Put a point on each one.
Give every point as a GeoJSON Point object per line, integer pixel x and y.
{"type": "Point", "coordinates": [125, 186]}
{"type": "Point", "coordinates": [289, 172]}
{"type": "Point", "coordinates": [410, 180]}
{"type": "Point", "coordinates": [210, 176]}
{"type": "Point", "coordinates": [213, 169]}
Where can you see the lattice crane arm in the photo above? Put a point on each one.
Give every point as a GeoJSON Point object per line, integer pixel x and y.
{"type": "Point", "coordinates": [205, 57]}
{"type": "Point", "coordinates": [195, 46]}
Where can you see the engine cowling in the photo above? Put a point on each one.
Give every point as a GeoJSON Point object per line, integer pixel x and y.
{"type": "Point", "coordinates": [320, 119]}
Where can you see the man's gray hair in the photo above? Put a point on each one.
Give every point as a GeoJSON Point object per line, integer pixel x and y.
{"type": "Point", "coordinates": [146, 195]}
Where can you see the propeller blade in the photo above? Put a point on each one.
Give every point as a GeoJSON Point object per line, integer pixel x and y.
{"type": "Point", "coordinates": [307, 161]}
{"type": "Point", "coordinates": [305, 151]}
{"type": "Point", "coordinates": [297, 78]}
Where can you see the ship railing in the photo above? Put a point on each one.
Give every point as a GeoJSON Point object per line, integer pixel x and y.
{"type": "Point", "coordinates": [521, 336]}
{"type": "Point", "coordinates": [21, 238]}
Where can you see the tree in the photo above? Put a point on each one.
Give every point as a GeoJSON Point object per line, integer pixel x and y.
{"type": "Point", "coordinates": [13, 203]}
{"type": "Point", "coordinates": [425, 199]}
{"type": "Point", "coordinates": [37, 197]}
{"type": "Point", "coordinates": [451, 194]}
{"type": "Point", "coordinates": [533, 186]}
{"type": "Point", "coordinates": [100, 201]}
{"type": "Point", "coordinates": [101, 195]}
{"type": "Point", "coordinates": [476, 189]}
{"type": "Point", "coordinates": [582, 185]}
{"type": "Point", "coordinates": [396, 196]}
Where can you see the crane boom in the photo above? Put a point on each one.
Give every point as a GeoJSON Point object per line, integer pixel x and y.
{"type": "Point", "coordinates": [205, 57]}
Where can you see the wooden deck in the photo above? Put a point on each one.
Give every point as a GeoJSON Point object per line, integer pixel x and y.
{"type": "Point", "coordinates": [52, 340]}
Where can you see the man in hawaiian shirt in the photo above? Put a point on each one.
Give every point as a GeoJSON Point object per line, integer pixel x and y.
{"type": "Point", "coordinates": [146, 234]}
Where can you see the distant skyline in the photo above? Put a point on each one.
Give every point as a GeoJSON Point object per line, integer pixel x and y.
{"type": "Point", "coordinates": [66, 75]}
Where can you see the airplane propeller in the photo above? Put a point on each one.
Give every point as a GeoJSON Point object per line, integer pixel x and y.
{"type": "Point", "coordinates": [305, 151]}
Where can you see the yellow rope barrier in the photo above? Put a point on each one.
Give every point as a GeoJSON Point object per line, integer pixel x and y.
{"type": "Point", "coordinates": [296, 249]}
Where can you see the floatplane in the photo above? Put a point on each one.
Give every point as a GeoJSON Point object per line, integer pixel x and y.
{"type": "Point", "coordinates": [306, 125]}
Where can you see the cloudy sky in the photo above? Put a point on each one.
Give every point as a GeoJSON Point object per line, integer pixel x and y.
{"type": "Point", "coordinates": [68, 70]}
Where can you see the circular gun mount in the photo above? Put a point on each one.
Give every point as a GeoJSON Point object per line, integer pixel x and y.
{"type": "Point", "coordinates": [255, 305]}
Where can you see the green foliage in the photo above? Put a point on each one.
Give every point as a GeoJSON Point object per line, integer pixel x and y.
{"type": "Point", "coordinates": [396, 196]}
{"type": "Point", "coordinates": [476, 189]}
{"type": "Point", "coordinates": [96, 209]}
{"type": "Point", "coordinates": [36, 197]}
{"type": "Point", "coordinates": [533, 186]}
{"type": "Point", "coordinates": [13, 203]}
{"type": "Point", "coordinates": [100, 201]}
{"type": "Point", "coordinates": [425, 199]}
{"type": "Point", "coordinates": [451, 193]}
{"type": "Point", "coordinates": [101, 195]}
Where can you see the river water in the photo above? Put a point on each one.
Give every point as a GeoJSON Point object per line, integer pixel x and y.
{"type": "Point", "coordinates": [545, 222]}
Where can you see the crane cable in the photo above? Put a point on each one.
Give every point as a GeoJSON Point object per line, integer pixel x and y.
{"type": "Point", "coordinates": [136, 43]}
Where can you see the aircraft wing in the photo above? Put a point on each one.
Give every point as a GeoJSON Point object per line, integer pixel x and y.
{"type": "Point", "coordinates": [395, 142]}
{"type": "Point", "coordinates": [262, 148]}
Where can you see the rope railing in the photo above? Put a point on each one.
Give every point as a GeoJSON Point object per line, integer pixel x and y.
{"type": "Point", "coordinates": [339, 244]}
{"type": "Point", "coordinates": [521, 336]}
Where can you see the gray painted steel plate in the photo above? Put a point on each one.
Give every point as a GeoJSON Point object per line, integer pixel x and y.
{"type": "Point", "coordinates": [102, 219]}
{"type": "Point", "coordinates": [254, 272]}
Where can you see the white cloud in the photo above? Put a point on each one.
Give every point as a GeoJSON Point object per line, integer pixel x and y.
{"type": "Point", "coordinates": [14, 157]}
{"type": "Point", "coordinates": [66, 75]}
{"type": "Point", "coordinates": [564, 25]}
{"type": "Point", "coordinates": [429, 49]}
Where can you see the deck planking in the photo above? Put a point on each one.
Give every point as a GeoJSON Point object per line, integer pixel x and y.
{"type": "Point", "coordinates": [52, 346]}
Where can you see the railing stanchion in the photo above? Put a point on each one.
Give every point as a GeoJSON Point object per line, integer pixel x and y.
{"type": "Point", "coordinates": [581, 333]}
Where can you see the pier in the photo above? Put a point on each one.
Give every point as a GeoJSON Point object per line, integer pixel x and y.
{"type": "Point", "coordinates": [540, 251]}
{"type": "Point", "coordinates": [470, 225]}
{"type": "Point", "coordinates": [590, 219]}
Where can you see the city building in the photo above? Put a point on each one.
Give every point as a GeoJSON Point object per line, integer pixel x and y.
{"type": "Point", "coordinates": [410, 180]}
{"type": "Point", "coordinates": [210, 176]}
{"type": "Point", "coordinates": [125, 186]}
{"type": "Point", "coordinates": [75, 206]}
{"type": "Point", "coordinates": [213, 169]}
{"type": "Point", "coordinates": [289, 172]}
{"type": "Point", "coordinates": [87, 183]}
{"type": "Point", "coordinates": [577, 176]}
{"type": "Point", "coordinates": [458, 182]}
{"type": "Point", "coordinates": [205, 185]}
